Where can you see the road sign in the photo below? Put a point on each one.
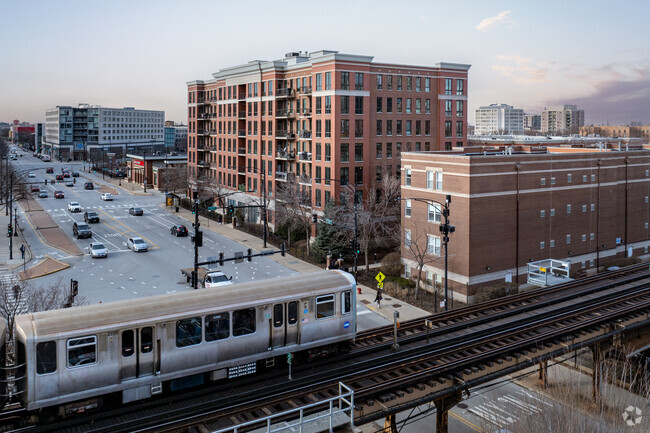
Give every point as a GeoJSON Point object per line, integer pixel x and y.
{"type": "Point", "coordinates": [380, 277]}
{"type": "Point", "coordinates": [542, 269]}
{"type": "Point", "coordinates": [212, 208]}
{"type": "Point", "coordinates": [289, 358]}
{"type": "Point", "coordinates": [326, 221]}
{"type": "Point", "coordinates": [239, 255]}
{"type": "Point", "coordinates": [380, 285]}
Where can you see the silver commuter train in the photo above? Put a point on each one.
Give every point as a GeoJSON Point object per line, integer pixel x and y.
{"type": "Point", "coordinates": [137, 348]}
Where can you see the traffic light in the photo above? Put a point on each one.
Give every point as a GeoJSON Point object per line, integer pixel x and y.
{"type": "Point", "coordinates": [352, 244]}
{"type": "Point", "coordinates": [314, 218]}
{"type": "Point", "coordinates": [45, 182]}
{"type": "Point", "coordinates": [9, 229]}
{"type": "Point", "coordinates": [192, 238]}
{"type": "Point", "coordinates": [250, 252]}
{"type": "Point", "coordinates": [231, 209]}
{"type": "Point", "coordinates": [74, 288]}
{"type": "Point", "coordinates": [282, 250]}
{"type": "Point", "coordinates": [198, 238]}
{"type": "Point", "coordinates": [220, 259]}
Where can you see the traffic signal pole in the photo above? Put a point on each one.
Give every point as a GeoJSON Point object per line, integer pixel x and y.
{"type": "Point", "coordinates": [195, 275]}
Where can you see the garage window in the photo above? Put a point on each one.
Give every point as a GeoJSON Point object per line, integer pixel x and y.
{"type": "Point", "coordinates": [243, 322]}
{"type": "Point", "coordinates": [188, 332]}
{"type": "Point", "coordinates": [82, 351]}
{"type": "Point", "coordinates": [217, 327]}
{"type": "Point", "coordinates": [346, 302]}
{"type": "Point", "coordinates": [292, 313]}
{"type": "Point", "coordinates": [46, 357]}
{"type": "Point", "coordinates": [324, 306]}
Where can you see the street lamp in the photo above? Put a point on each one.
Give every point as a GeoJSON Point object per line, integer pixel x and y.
{"type": "Point", "coordinates": [445, 229]}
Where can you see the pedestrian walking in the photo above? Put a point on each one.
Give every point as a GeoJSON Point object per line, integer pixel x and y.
{"type": "Point", "coordinates": [22, 251]}
{"type": "Point", "coordinates": [378, 298]}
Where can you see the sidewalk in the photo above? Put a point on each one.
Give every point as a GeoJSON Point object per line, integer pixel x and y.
{"type": "Point", "coordinates": [7, 264]}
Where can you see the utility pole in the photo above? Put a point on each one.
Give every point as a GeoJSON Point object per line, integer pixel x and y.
{"type": "Point", "coordinates": [356, 235]}
{"type": "Point", "coordinates": [10, 203]}
{"type": "Point", "coordinates": [195, 275]}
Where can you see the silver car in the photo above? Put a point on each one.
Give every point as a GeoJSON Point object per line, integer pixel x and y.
{"type": "Point", "coordinates": [97, 249]}
{"type": "Point", "coordinates": [137, 244]}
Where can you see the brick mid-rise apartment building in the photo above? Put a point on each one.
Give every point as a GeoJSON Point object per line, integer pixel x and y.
{"type": "Point", "coordinates": [515, 205]}
{"type": "Point", "coordinates": [324, 115]}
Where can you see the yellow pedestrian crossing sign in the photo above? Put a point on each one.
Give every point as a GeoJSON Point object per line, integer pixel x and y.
{"type": "Point", "coordinates": [380, 277]}
{"type": "Point", "coordinates": [380, 285]}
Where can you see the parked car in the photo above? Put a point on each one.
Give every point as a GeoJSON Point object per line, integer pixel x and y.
{"type": "Point", "coordinates": [137, 211]}
{"type": "Point", "coordinates": [49, 170]}
{"type": "Point", "coordinates": [74, 206]}
{"type": "Point", "coordinates": [91, 217]}
{"type": "Point", "coordinates": [97, 249]}
{"type": "Point", "coordinates": [107, 196]}
{"type": "Point", "coordinates": [89, 185]}
{"type": "Point", "coordinates": [178, 230]}
{"type": "Point", "coordinates": [59, 194]}
{"type": "Point", "coordinates": [75, 174]}
{"type": "Point", "coordinates": [42, 194]}
{"type": "Point", "coordinates": [34, 188]}
{"type": "Point", "coordinates": [81, 230]}
{"type": "Point", "coordinates": [137, 244]}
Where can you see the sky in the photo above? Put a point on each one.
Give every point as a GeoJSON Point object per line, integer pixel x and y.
{"type": "Point", "coordinates": [141, 53]}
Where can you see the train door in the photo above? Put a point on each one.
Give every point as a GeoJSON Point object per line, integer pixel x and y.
{"type": "Point", "coordinates": [137, 353]}
{"type": "Point", "coordinates": [284, 325]}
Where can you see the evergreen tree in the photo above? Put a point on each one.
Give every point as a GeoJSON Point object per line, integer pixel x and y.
{"type": "Point", "coordinates": [328, 239]}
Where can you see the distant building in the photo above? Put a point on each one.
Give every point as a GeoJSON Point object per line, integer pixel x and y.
{"type": "Point", "coordinates": [622, 131]}
{"type": "Point", "coordinates": [499, 119]}
{"type": "Point", "coordinates": [87, 131]}
{"type": "Point", "coordinates": [39, 132]}
{"type": "Point", "coordinates": [175, 138]}
{"type": "Point", "coordinates": [562, 120]}
{"type": "Point", "coordinates": [532, 122]}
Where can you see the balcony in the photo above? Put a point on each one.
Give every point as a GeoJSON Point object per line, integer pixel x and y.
{"type": "Point", "coordinates": [306, 90]}
{"type": "Point", "coordinates": [285, 155]}
{"type": "Point", "coordinates": [305, 156]}
{"type": "Point", "coordinates": [305, 112]}
{"type": "Point", "coordinates": [241, 151]}
{"type": "Point", "coordinates": [285, 93]}
{"type": "Point", "coordinates": [203, 132]}
{"type": "Point", "coordinates": [305, 135]}
{"type": "Point", "coordinates": [282, 134]}
{"type": "Point", "coordinates": [304, 180]}
{"type": "Point", "coordinates": [284, 113]}
{"type": "Point", "coordinates": [280, 175]}
{"type": "Point", "coordinates": [241, 134]}
{"type": "Point", "coordinates": [203, 164]}
{"type": "Point", "coordinates": [241, 115]}
{"type": "Point", "coordinates": [204, 115]}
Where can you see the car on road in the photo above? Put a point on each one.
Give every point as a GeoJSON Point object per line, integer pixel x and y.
{"type": "Point", "coordinates": [89, 185]}
{"type": "Point", "coordinates": [75, 174]}
{"type": "Point", "coordinates": [137, 244]}
{"type": "Point", "coordinates": [137, 211]}
{"type": "Point", "coordinates": [42, 194]}
{"type": "Point", "coordinates": [34, 188]}
{"type": "Point", "coordinates": [97, 249]}
{"type": "Point", "coordinates": [91, 217]}
{"type": "Point", "coordinates": [69, 183]}
{"type": "Point", "coordinates": [178, 230]}
{"type": "Point", "coordinates": [216, 279]}
{"type": "Point", "coordinates": [31, 174]}
{"type": "Point", "coordinates": [49, 170]}
{"type": "Point", "coordinates": [66, 174]}
{"type": "Point", "coordinates": [74, 206]}
{"type": "Point", "coordinates": [107, 196]}
{"type": "Point", "coordinates": [59, 177]}
{"type": "Point", "coordinates": [59, 194]}
{"type": "Point", "coordinates": [81, 230]}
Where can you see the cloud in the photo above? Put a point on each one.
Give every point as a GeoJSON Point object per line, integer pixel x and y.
{"type": "Point", "coordinates": [492, 22]}
{"type": "Point", "coordinates": [520, 69]}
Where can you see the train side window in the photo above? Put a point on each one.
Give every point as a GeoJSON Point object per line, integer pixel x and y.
{"type": "Point", "coordinates": [82, 351]}
{"type": "Point", "coordinates": [146, 339]}
{"type": "Point", "coordinates": [346, 302]}
{"type": "Point", "coordinates": [243, 322]}
{"type": "Point", "coordinates": [277, 315]}
{"type": "Point", "coordinates": [324, 306]}
{"type": "Point", "coordinates": [128, 343]}
{"type": "Point", "coordinates": [292, 313]}
{"type": "Point", "coordinates": [188, 332]}
{"type": "Point", "coordinates": [217, 327]}
{"type": "Point", "coordinates": [46, 357]}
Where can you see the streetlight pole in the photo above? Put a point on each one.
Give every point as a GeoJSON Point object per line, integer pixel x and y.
{"type": "Point", "coordinates": [195, 275]}
{"type": "Point", "coordinates": [144, 170]}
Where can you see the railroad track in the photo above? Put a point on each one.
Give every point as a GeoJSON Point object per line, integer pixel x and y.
{"type": "Point", "coordinates": [461, 346]}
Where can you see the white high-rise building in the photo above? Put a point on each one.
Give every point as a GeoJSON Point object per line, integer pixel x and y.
{"type": "Point", "coordinates": [499, 119]}
{"type": "Point", "coordinates": [76, 132]}
{"type": "Point", "coordinates": [562, 119]}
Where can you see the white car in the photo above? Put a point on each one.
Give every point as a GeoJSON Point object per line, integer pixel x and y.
{"type": "Point", "coordinates": [32, 175]}
{"type": "Point", "coordinates": [216, 279]}
{"type": "Point", "coordinates": [73, 206]}
{"type": "Point", "coordinates": [97, 249]}
{"type": "Point", "coordinates": [107, 196]}
{"type": "Point", "coordinates": [137, 244]}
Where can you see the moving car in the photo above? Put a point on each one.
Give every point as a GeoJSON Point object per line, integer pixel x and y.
{"type": "Point", "coordinates": [69, 183]}
{"type": "Point", "coordinates": [49, 170]}
{"type": "Point", "coordinates": [137, 244]}
{"type": "Point", "coordinates": [91, 217]}
{"type": "Point", "coordinates": [137, 211]}
{"type": "Point", "coordinates": [75, 174]}
{"type": "Point", "coordinates": [81, 230]}
{"type": "Point", "coordinates": [34, 188]}
{"type": "Point", "coordinates": [216, 279]}
{"type": "Point", "coordinates": [42, 194]}
{"type": "Point", "coordinates": [59, 194]}
{"type": "Point", "coordinates": [59, 177]}
{"type": "Point", "coordinates": [97, 249]}
{"type": "Point", "coordinates": [66, 174]}
{"type": "Point", "coordinates": [74, 206]}
{"type": "Point", "coordinates": [107, 196]}
{"type": "Point", "coordinates": [31, 174]}
{"type": "Point", "coordinates": [89, 185]}
{"type": "Point", "coordinates": [178, 230]}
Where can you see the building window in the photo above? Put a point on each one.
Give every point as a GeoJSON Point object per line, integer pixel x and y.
{"type": "Point", "coordinates": [378, 152]}
{"type": "Point", "coordinates": [379, 104]}
{"type": "Point", "coordinates": [358, 81]}
{"type": "Point", "coordinates": [389, 105]}
{"type": "Point", "coordinates": [328, 104]}
{"type": "Point", "coordinates": [328, 152]}
{"type": "Point", "coordinates": [345, 105]}
{"type": "Point", "coordinates": [459, 129]}
{"type": "Point", "coordinates": [345, 128]}
{"type": "Point", "coordinates": [399, 105]}
{"type": "Point", "coordinates": [408, 105]}
{"type": "Point", "coordinates": [407, 208]}
{"type": "Point", "coordinates": [541, 245]}
{"type": "Point", "coordinates": [447, 86]}
{"type": "Point", "coordinates": [584, 178]}
{"type": "Point", "coordinates": [584, 238]}
{"type": "Point", "coordinates": [409, 84]}
{"type": "Point", "coordinates": [407, 239]}
{"type": "Point", "coordinates": [328, 80]}
{"type": "Point", "coordinates": [552, 180]}
{"type": "Point", "coordinates": [345, 80]}
{"type": "Point", "coordinates": [389, 127]}
{"type": "Point", "coordinates": [407, 179]}
{"type": "Point", "coordinates": [568, 208]}
{"type": "Point", "coordinates": [568, 178]}
{"type": "Point", "coordinates": [584, 208]}
{"type": "Point", "coordinates": [430, 179]}
{"type": "Point", "coordinates": [379, 127]}
{"type": "Point", "coordinates": [460, 84]}
{"type": "Point", "coordinates": [593, 178]}
{"type": "Point", "coordinates": [448, 108]}
{"type": "Point", "coordinates": [568, 239]}
{"type": "Point", "coordinates": [434, 213]}
{"type": "Point", "coordinates": [318, 82]}
{"type": "Point", "coordinates": [542, 213]}
{"type": "Point", "coordinates": [427, 85]}
{"type": "Point", "coordinates": [433, 245]}
{"type": "Point", "coordinates": [448, 128]}
{"type": "Point", "coordinates": [553, 212]}
{"type": "Point", "coordinates": [592, 236]}
{"type": "Point", "coordinates": [542, 181]}
{"type": "Point", "coordinates": [593, 207]}
{"type": "Point", "coordinates": [358, 152]}
{"type": "Point", "coordinates": [552, 243]}
{"type": "Point", "coordinates": [358, 128]}
{"type": "Point", "coordinates": [389, 150]}
{"type": "Point", "coordinates": [438, 181]}
{"type": "Point", "coordinates": [408, 128]}
{"type": "Point", "coordinates": [358, 176]}
{"type": "Point", "coordinates": [399, 82]}
{"type": "Point", "coordinates": [379, 82]}
{"type": "Point", "coordinates": [418, 84]}
{"type": "Point", "coordinates": [459, 108]}
{"type": "Point", "coordinates": [358, 105]}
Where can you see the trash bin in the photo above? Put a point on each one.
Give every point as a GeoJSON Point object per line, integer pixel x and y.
{"type": "Point", "coordinates": [176, 208]}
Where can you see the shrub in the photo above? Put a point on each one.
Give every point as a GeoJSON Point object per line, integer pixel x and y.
{"type": "Point", "coordinates": [494, 291]}
{"type": "Point", "coordinates": [391, 264]}
{"type": "Point", "coordinates": [621, 262]}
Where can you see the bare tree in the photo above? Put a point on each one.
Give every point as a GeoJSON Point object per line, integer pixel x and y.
{"type": "Point", "coordinates": [175, 178]}
{"type": "Point", "coordinates": [293, 208]}
{"type": "Point", "coordinates": [417, 245]}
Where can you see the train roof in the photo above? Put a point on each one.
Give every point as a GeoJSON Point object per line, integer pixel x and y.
{"type": "Point", "coordinates": [173, 305]}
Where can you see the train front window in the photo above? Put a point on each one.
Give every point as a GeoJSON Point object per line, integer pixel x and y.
{"type": "Point", "coordinates": [324, 306]}
{"type": "Point", "coordinates": [243, 322]}
{"type": "Point", "coordinates": [188, 332]}
{"type": "Point", "coordinates": [46, 357]}
{"type": "Point", "coordinates": [146, 339]}
{"type": "Point", "coordinates": [346, 302]}
{"type": "Point", "coordinates": [292, 313]}
{"type": "Point", "coordinates": [82, 351]}
{"type": "Point", "coordinates": [217, 327]}
{"type": "Point", "coordinates": [277, 315]}
{"type": "Point", "coordinates": [128, 343]}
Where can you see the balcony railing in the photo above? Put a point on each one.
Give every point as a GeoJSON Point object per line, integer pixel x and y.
{"type": "Point", "coordinates": [241, 115]}
{"type": "Point", "coordinates": [285, 155]}
{"type": "Point", "coordinates": [305, 89]}
{"type": "Point", "coordinates": [285, 93]}
{"type": "Point", "coordinates": [304, 179]}
{"type": "Point", "coordinates": [241, 151]}
{"type": "Point", "coordinates": [305, 112]}
{"type": "Point", "coordinates": [305, 134]}
{"type": "Point", "coordinates": [305, 156]}
{"type": "Point", "coordinates": [284, 134]}
{"type": "Point", "coordinates": [280, 175]}
{"type": "Point", "coordinates": [283, 112]}
{"type": "Point", "coordinates": [241, 133]}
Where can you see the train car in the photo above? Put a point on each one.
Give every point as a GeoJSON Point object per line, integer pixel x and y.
{"type": "Point", "coordinates": [137, 348]}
